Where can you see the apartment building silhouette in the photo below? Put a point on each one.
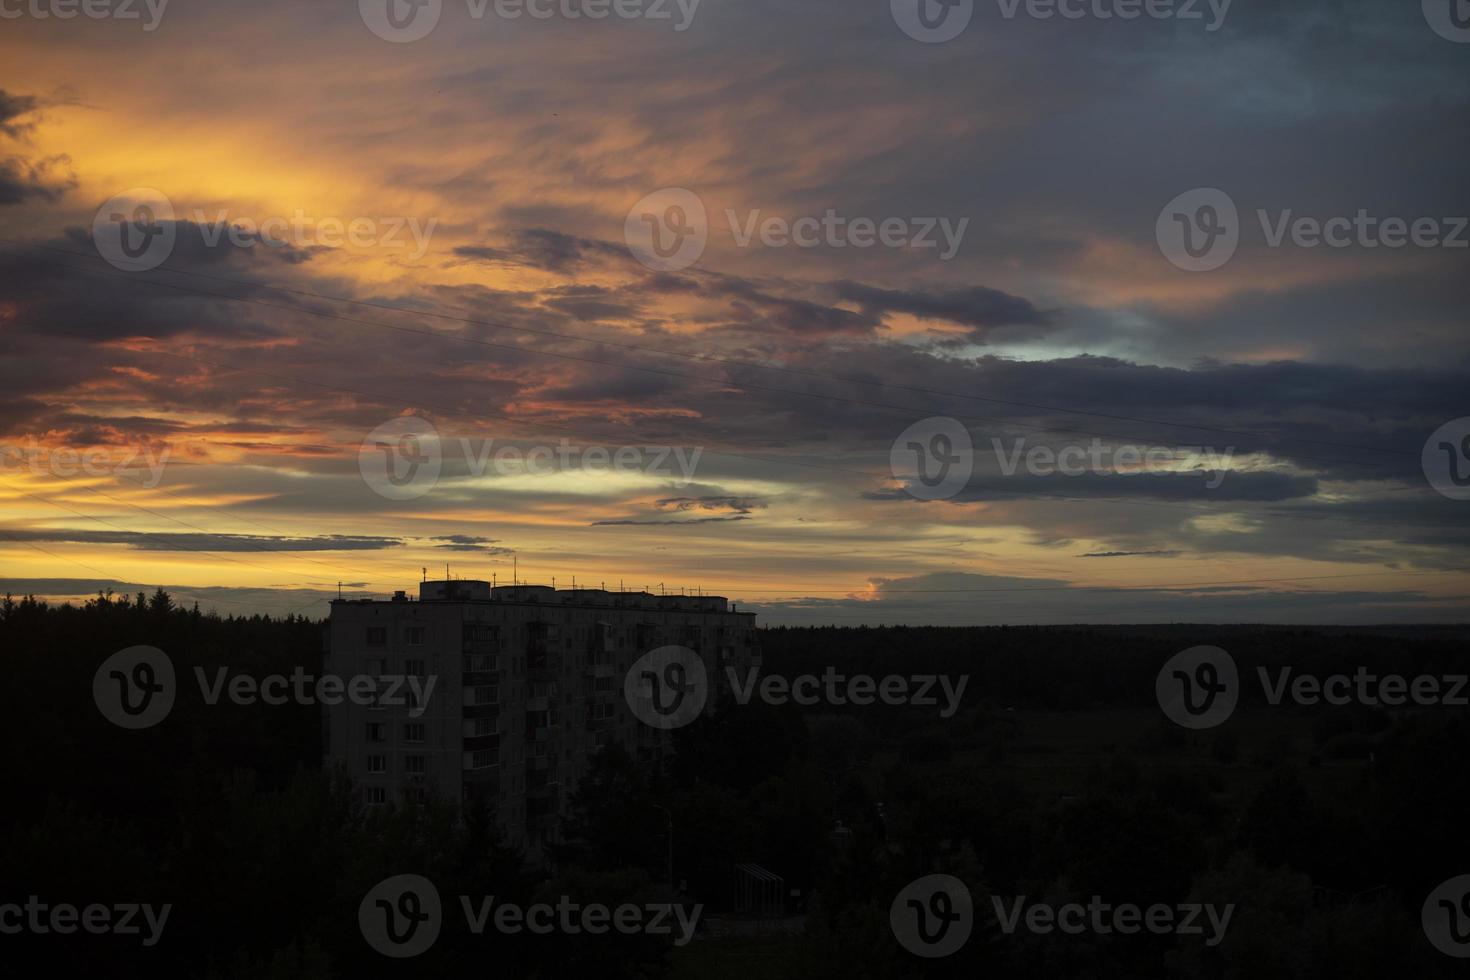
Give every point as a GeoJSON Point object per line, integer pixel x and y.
{"type": "Point", "coordinates": [528, 688]}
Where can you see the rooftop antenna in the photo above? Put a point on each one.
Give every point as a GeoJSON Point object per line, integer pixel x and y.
{"type": "Point", "coordinates": [339, 588]}
{"type": "Point", "coordinates": [446, 571]}
{"type": "Point", "coordinates": [425, 570]}
{"type": "Point", "coordinates": [514, 570]}
{"type": "Point", "coordinates": [494, 577]}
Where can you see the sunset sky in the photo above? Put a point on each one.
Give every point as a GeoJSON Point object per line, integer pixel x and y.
{"type": "Point", "coordinates": [490, 291]}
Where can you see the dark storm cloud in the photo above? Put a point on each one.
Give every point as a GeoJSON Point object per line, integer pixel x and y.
{"type": "Point", "coordinates": [12, 108]}
{"type": "Point", "coordinates": [470, 543]}
{"type": "Point", "coordinates": [975, 306]}
{"type": "Point", "coordinates": [145, 541]}
{"type": "Point", "coordinates": [1235, 486]}
{"type": "Point", "coordinates": [23, 178]}
{"type": "Point", "coordinates": [957, 598]}
{"type": "Point", "coordinates": [753, 308]}
{"type": "Point", "coordinates": [692, 521]}
{"type": "Point", "coordinates": [545, 249]}
{"type": "Point", "coordinates": [740, 505]}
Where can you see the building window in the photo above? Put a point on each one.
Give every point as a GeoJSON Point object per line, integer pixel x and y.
{"type": "Point", "coordinates": [483, 758]}
{"type": "Point", "coordinates": [414, 765]}
{"type": "Point", "coordinates": [377, 666]}
{"type": "Point", "coordinates": [483, 727]}
{"type": "Point", "coordinates": [415, 667]}
{"type": "Point", "coordinates": [377, 636]}
{"type": "Point", "coordinates": [377, 764]}
{"type": "Point", "coordinates": [375, 795]}
{"type": "Point", "coordinates": [413, 732]}
{"type": "Point", "coordinates": [486, 694]}
{"type": "Point", "coordinates": [375, 731]}
{"type": "Point", "coordinates": [414, 636]}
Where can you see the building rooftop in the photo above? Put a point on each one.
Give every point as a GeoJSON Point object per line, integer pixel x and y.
{"type": "Point", "coordinates": [478, 590]}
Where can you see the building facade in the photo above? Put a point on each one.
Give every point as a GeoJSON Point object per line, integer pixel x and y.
{"type": "Point", "coordinates": [528, 687]}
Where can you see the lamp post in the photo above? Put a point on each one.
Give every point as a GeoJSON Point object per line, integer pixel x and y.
{"type": "Point", "coordinates": [670, 817]}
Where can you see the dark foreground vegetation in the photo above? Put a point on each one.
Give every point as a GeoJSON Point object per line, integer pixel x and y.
{"type": "Point", "coordinates": [1058, 778]}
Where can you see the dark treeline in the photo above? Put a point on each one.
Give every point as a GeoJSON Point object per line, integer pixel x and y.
{"type": "Point", "coordinates": [1325, 828]}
